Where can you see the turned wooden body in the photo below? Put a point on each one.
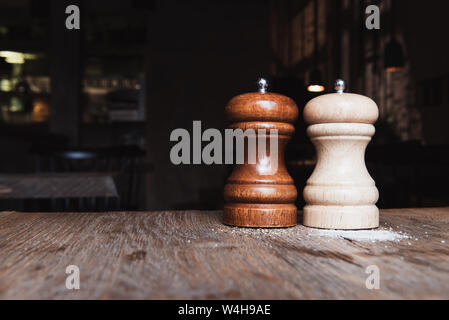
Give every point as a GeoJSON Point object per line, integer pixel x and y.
{"type": "Point", "coordinates": [340, 194]}
{"type": "Point", "coordinates": [261, 194]}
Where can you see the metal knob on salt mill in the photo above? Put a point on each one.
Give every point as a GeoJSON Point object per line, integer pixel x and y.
{"type": "Point", "coordinates": [261, 193]}
{"type": "Point", "coordinates": [340, 193]}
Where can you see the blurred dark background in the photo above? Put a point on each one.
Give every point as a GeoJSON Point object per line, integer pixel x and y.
{"type": "Point", "coordinates": [103, 100]}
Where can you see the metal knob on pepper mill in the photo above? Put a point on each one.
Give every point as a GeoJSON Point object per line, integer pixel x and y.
{"type": "Point", "coordinates": [262, 193]}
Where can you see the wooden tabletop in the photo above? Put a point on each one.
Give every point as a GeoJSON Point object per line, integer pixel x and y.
{"type": "Point", "coordinates": [191, 255]}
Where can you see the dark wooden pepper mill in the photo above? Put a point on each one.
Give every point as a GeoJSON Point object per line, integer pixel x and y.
{"type": "Point", "coordinates": [261, 193]}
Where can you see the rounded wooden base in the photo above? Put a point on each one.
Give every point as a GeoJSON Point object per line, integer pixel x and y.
{"type": "Point", "coordinates": [260, 215]}
{"type": "Point", "coordinates": [341, 217]}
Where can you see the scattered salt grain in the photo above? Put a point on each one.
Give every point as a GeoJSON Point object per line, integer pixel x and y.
{"type": "Point", "coordinates": [361, 235]}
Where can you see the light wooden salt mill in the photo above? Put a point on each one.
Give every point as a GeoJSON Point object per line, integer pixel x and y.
{"type": "Point", "coordinates": [340, 193]}
{"type": "Point", "coordinates": [261, 194]}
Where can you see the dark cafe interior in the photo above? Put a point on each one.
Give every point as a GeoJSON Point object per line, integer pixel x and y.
{"type": "Point", "coordinates": [104, 99]}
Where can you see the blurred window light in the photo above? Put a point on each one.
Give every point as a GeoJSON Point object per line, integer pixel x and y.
{"type": "Point", "coordinates": [15, 60]}
{"type": "Point", "coordinates": [41, 111]}
{"type": "Point", "coordinates": [14, 57]}
{"type": "Point", "coordinates": [5, 85]}
{"type": "Point", "coordinates": [3, 30]}
{"type": "Point", "coordinates": [315, 88]}
{"type": "Point", "coordinates": [315, 82]}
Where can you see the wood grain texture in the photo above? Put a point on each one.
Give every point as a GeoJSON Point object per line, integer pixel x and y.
{"type": "Point", "coordinates": [192, 255]}
{"type": "Point", "coordinates": [261, 193]}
